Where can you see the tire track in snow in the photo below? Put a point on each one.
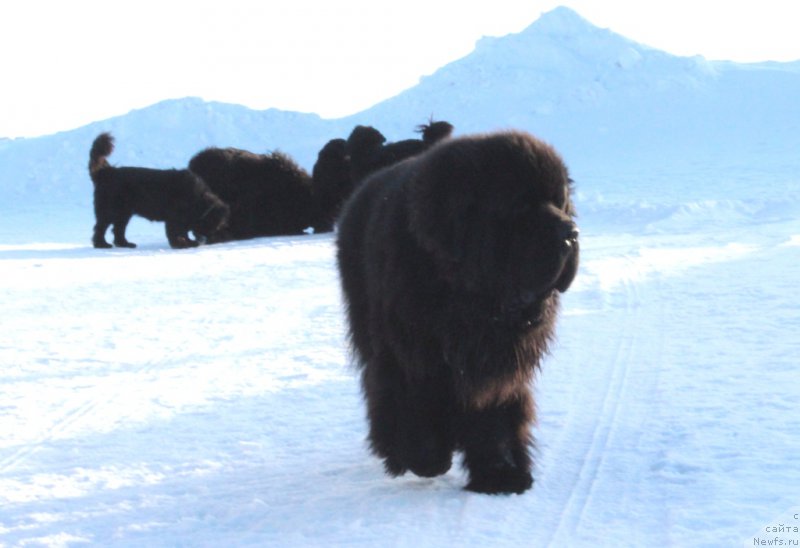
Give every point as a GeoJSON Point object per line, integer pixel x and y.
{"type": "Point", "coordinates": [597, 412]}
{"type": "Point", "coordinates": [71, 419]}
{"type": "Point", "coordinates": [98, 399]}
{"type": "Point", "coordinates": [32, 446]}
{"type": "Point", "coordinates": [603, 425]}
{"type": "Point", "coordinates": [85, 408]}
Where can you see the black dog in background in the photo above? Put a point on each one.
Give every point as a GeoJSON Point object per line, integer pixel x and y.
{"type": "Point", "coordinates": [369, 152]}
{"type": "Point", "coordinates": [451, 264]}
{"type": "Point", "coordinates": [269, 194]}
{"type": "Point", "coordinates": [342, 164]}
{"type": "Point", "coordinates": [332, 183]}
{"type": "Point", "coordinates": [177, 197]}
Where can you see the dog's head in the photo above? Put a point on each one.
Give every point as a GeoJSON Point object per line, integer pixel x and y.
{"type": "Point", "coordinates": [212, 223]}
{"type": "Point", "coordinates": [496, 214]}
{"type": "Point", "coordinates": [334, 150]}
{"type": "Point", "coordinates": [363, 139]}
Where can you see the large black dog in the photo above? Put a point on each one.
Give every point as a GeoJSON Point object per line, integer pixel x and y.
{"type": "Point", "coordinates": [269, 194]}
{"type": "Point", "coordinates": [342, 164]}
{"type": "Point", "coordinates": [176, 197]}
{"type": "Point", "coordinates": [332, 183]}
{"type": "Point", "coordinates": [368, 150]}
{"type": "Point", "coordinates": [451, 265]}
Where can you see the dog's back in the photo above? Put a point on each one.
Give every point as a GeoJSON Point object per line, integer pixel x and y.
{"type": "Point", "coordinates": [130, 183]}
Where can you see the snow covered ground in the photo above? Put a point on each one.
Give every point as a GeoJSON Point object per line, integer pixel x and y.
{"type": "Point", "coordinates": [159, 397]}
{"type": "Point", "coordinates": [203, 397]}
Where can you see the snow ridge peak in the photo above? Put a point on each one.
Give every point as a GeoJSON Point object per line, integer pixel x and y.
{"type": "Point", "coordinates": [561, 21]}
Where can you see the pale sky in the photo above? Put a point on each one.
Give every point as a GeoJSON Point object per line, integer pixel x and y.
{"type": "Point", "coordinates": [64, 64]}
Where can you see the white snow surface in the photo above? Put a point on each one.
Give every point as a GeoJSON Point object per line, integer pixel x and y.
{"type": "Point", "coordinates": [205, 397]}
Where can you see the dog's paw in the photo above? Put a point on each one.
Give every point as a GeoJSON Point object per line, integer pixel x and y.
{"type": "Point", "coordinates": [102, 245]}
{"type": "Point", "coordinates": [125, 244]}
{"type": "Point", "coordinates": [501, 481]}
{"type": "Point", "coordinates": [182, 242]}
{"type": "Point", "coordinates": [429, 457]}
{"type": "Point", "coordinates": [432, 467]}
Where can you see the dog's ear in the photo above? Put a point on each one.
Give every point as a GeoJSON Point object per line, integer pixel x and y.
{"type": "Point", "coordinates": [441, 206]}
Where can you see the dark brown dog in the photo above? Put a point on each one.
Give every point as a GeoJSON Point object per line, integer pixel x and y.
{"type": "Point", "coordinates": [269, 194]}
{"type": "Point", "coordinates": [368, 150]}
{"type": "Point", "coordinates": [451, 264]}
{"type": "Point", "coordinates": [174, 196]}
{"type": "Point", "coordinates": [332, 183]}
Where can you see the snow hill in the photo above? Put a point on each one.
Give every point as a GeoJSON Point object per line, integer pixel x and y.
{"type": "Point", "coordinates": [155, 397]}
{"type": "Point", "coordinates": [599, 97]}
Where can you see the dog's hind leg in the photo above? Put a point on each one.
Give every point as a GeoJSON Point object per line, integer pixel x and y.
{"type": "Point", "coordinates": [99, 235]}
{"type": "Point", "coordinates": [178, 236]}
{"type": "Point", "coordinates": [120, 224]}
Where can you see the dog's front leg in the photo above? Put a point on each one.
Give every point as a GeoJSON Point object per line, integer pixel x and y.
{"type": "Point", "coordinates": [496, 442]}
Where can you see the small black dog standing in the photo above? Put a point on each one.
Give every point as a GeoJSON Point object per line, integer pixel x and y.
{"type": "Point", "coordinates": [451, 266]}
{"type": "Point", "coordinates": [176, 196]}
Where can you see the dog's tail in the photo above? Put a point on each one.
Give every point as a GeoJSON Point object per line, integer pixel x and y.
{"type": "Point", "coordinates": [433, 132]}
{"type": "Point", "coordinates": [102, 148]}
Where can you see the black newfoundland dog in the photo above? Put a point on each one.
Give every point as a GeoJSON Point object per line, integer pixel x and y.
{"type": "Point", "coordinates": [269, 194]}
{"type": "Point", "coordinates": [368, 150]}
{"type": "Point", "coordinates": [174, 196]}
{"type": "Point", "coordinates": [331, 183]}
{"type": "Point", "coordinates": [451, 265]}
{"type": "Point", "coordinates": [342, 164]}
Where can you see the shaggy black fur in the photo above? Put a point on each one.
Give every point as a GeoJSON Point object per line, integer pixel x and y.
{"type": "Point", "coordinates": [269, 194]}
{"type": "Point", "coordinates": [451, 266]}
{"type": "Point", "coordinates": [331, 182]}
{"type": "Point", "coordinates": [342, 164]}
{"type": "Point", "coordinates": [368, 151]}
{"type": "Point", "coordinates": [433, 132]}
{"type": "Point", "coordinates": [176, 197]}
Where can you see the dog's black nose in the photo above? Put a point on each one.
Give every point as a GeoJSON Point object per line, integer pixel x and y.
{"type": "Point", "coordinates": [574, 233]}
{"type": "Point", "coordinates": [569, 232]}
